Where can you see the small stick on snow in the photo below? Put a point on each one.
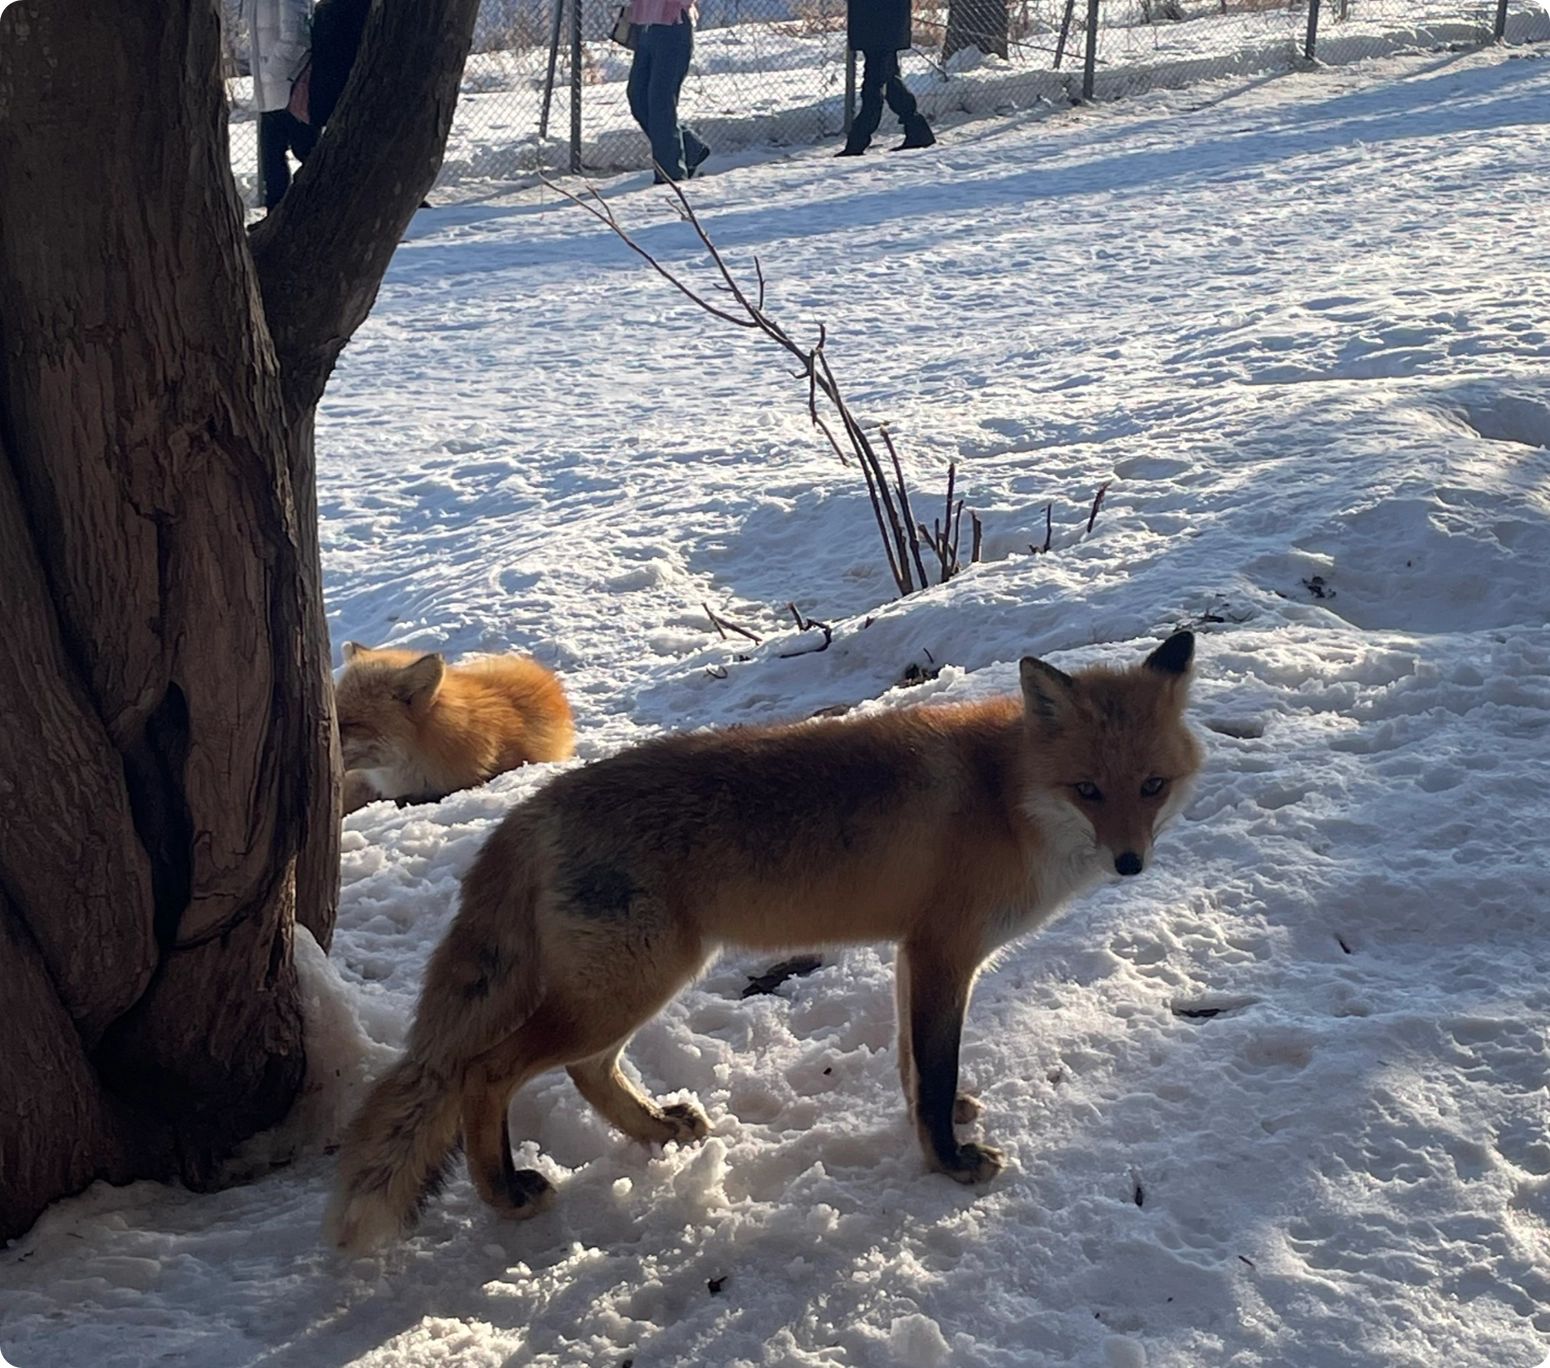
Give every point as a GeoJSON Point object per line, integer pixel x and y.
{"type": "Point", "coordinates": [725, 625]}
{"type": "Point", "coordinates": [804, 624]}
{"type": "Point", "coordinates": [1092, 517]}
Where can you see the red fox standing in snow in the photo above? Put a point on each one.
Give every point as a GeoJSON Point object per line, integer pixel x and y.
{"type": "Point", "coordinates": [948, 830]}
{"type": "Point", "coordinates": [413, 727]}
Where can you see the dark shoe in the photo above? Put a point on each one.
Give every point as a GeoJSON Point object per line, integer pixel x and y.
{"type": "Point", "coordinates": [851, 150]}
{"type": "Point", "coordinates": [917, 133]}
{"type": "Point", "coordinates": [694, 160]}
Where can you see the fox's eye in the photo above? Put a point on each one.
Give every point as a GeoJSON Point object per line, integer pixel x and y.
{"type": "Point", "coordinates": [1153, 787]}
{"type": "Point", "coordinates": [1088, 793]}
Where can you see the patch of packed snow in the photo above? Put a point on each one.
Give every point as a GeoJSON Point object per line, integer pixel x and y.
{"type": "Point", "coordinates": [1281, 1101]}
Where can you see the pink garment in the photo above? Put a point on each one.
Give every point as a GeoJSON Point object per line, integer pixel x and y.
{"type": "Point", "coordinates": [660, 11]}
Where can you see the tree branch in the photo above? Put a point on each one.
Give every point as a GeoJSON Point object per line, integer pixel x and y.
{"type": "Point", "coordinates": [322, 253]}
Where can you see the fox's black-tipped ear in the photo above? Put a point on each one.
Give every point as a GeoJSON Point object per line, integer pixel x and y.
{"type": "Point", "coordinates": [1173, 657]}
{"type": "Point", "coordinates": [418, 684]}
{"type": "Point", "coordinates": [353, 649]}
{"type": "Point", "coordinates": [1047, 692]}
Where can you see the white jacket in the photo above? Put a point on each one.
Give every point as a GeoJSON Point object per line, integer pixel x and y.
{"type": "Point", "coordinates": [279, 39]}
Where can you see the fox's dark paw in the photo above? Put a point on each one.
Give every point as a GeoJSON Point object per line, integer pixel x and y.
{"type": "Point", "coordinates": [966, 1108]}
{"type": "Point", "coordinates": [528, 1192]}
{"type": "Point", "coordinates": [974, 1163]}
{"type": "Point", "coordinates": [688, 1122]}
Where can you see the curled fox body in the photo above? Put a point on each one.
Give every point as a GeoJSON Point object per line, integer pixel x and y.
{"type": "Point", "coordinates": [947, 830]}
{"type": "Point", "coordinates": [413, 727]}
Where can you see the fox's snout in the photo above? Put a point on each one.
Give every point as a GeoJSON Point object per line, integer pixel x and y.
{"type": "Point", "coordinates": [1128, 863]}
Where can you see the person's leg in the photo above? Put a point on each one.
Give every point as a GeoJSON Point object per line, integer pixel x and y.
{"type": "Point", "coordinates": [900, 100]}
{"type": "Point", "coordinates": [695, 148]}
{"type": "Point", "coordinates": [640, 77]}
{"type": "Point", "coordinates": [917, 132]}
{"type": "Point", "coordinates": [274, 170]}
{"type": "Point", "coordinates": [874, 76]}
{"type": "Point", "coordinates": [303, 137]}
{"type": "Point", "coordinates": [675, 44]}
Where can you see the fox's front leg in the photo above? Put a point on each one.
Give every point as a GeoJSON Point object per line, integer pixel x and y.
{"type": "Point", "coordinates": [933, 996]}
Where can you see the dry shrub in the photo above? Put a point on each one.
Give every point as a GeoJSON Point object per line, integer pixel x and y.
{"type": "Point", "coordinates": [814, 18]}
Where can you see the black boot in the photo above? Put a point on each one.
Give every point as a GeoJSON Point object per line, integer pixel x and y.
{"type": "Point", "coordinates": [917, 133]}
{"type": "Point", "coordinates": [851, 149]}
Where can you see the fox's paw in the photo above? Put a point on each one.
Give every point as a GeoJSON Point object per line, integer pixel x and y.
{"type": "Point", "coordinates": [966, 1108]}
{"type": "Point", "coordinates": [686, 1121]}
{"type": "Point", "coordinates": [528, 1193]}
{"type": "Point", "coordinates": [974, 1163]}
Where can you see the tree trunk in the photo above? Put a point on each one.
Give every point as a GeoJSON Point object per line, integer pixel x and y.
{"type": "Point", "coordinates": [982, 24]}
{"type": "Point", "coordinates": [168, 769]}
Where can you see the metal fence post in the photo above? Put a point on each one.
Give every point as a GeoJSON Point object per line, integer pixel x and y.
{"type": "Point", "coordinates": [554, 61]}
{"type": "Point", "coordinates": [1065, 31]}
{"type": "Point", "coordinates": [1501, 20]}
{"type": "Point", "coordinates": [850, 87]}
{"type": "Point", "coordinates": [1309, 47]}
{"type": "Point", "coordinates": [575, 87]}
{"type": "Point", "coordinates": [1090, 57]}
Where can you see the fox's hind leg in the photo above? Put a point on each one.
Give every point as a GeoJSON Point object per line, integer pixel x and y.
{"type": "Point", "coordinates": [594, 1003]}
{"type": "Point", "coordinates": [600, 1081]}
{"type": "Point", "coordinates": [488, 1086]}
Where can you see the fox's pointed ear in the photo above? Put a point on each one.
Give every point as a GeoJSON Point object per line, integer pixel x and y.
{"type": "Point", "coordinates": [1173, 657]}
{"type": "Point", "coordinates": [1047, 693]}
{"type": "Point", "coordinates": [419, 683]}
{"type": "Point", "coordinates": [353, 649]}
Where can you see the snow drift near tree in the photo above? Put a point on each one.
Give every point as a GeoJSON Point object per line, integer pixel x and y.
{"type": "Point", "coordinates": [1279, 1102]}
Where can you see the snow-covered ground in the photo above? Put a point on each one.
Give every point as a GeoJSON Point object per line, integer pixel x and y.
{"type": "Point", "coordinates": [1279, 1104]}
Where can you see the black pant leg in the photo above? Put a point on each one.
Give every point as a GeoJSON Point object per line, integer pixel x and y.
{"type": "Point", "coordinates": [899, 98]}
{"type": "Point", "coordinates": [274, 170]}
{"type": "Point", "coordinates": [874, 77]}
{"type": "Point", "coordinates": [304, 137]}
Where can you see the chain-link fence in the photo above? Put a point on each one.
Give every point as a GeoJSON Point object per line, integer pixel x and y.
{"type": "Point", "coordinates": [545, 87]}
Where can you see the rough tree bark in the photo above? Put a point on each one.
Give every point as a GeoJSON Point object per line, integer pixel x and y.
{"type": "Point", "coordinates": [982, 24]}
{"type": "Point", "coordinates": [168, 769]}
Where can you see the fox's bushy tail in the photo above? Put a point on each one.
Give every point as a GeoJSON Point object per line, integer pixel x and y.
{"type": "Point", "coordinates": [394, 1156]}
{"type": "Point", "coordinates": [482, 983]}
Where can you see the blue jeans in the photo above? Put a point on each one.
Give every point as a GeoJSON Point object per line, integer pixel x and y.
{"type": "Point", "coordinates": [662, 53]}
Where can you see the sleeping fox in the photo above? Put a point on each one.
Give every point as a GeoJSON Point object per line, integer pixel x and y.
{"type": "Point", "coordinates": [413, 728]}
{"type": "Point", "coordinates": [946, 830]}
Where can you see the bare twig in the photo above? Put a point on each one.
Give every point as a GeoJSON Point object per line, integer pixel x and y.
{"type": "Point", "coordinates": [1092, 517]}
{"type": "Point", "coordinates": [904, 501]}
{"type": "Point", "coordinates": [603, 212]}
{"type": "Point", "coordinates": [889, 498]}
{"type": "Point", "coordinates": [806, 624]}
{"type": "Point", "coordinates": [1049, 525]}
{"type": "Point", "coordinates": [724, 625]}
